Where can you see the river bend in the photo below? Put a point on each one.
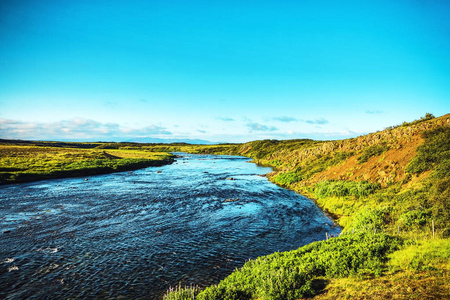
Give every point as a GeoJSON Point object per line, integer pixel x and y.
{"type": "Point", "coordinates": [135, 234]}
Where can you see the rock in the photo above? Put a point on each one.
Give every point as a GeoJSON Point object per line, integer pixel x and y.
{"type": "Point", "coordinates": [13, 268]}
{"type": "Point", "coordinates": [232, 200]}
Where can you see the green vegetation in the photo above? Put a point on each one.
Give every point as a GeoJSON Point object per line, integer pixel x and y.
{"type": "Point", "coordinates": [371, 151]}
{"type": "Point", "coordinates": [312, 167]}
{"type": "Point", "coordinates": [396, 230]}
{"type": "Point", "coordinates": [305, 271]}
{"type": "Point", "coordinates": [427, 117]}
{"type": "Point", "coordinates": [341, 188]}
{"type": "Point", "coordinates": [422, 256]}
{"type": "Point", "coordinates": [288, 178]}
{"type": "Point", "coordinates": [29, 163]}
{"type": "Point", "coordinates": [434, 154]}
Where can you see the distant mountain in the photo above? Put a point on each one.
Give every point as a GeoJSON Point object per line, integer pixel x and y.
{"type": "Point", "coordinates": [169, 141]}
{"type": "Point", "coordinates": [114, 140]}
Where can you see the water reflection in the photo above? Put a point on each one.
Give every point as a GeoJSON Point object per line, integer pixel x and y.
{"type": "Point", "coordinates": [135, 234]}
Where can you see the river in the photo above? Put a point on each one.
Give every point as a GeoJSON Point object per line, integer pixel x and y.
{"type": "Point", "coordinates": [135, 234]}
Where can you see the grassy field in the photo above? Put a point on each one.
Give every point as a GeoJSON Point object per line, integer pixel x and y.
{"type": "Point", "coordinates": [29, 162]}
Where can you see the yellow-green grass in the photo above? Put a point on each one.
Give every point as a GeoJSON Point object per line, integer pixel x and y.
{"type": "Point", "coordinates": [29, 163]}
{"type": "Point", "coordinates": [419, 270]}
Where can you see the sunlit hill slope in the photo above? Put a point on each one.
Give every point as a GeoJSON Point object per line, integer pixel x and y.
{"type": "Point", "coordinates": [389, 190]}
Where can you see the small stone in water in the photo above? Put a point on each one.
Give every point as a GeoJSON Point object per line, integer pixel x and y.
{"type": "Point", "coordinates": [13, 268]}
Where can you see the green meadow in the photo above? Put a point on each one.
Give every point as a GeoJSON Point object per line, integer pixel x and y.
{"type": "Point", "coordinates": [36, 161]}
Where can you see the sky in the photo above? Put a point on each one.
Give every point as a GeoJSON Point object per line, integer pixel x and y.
{"type": "Point", "coordinates": [222, 71]}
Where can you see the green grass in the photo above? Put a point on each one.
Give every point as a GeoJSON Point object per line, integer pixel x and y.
{"type": "Point", "coordinates": [422, 255]}
{"type": "Point", "coordinates": [29, 163]}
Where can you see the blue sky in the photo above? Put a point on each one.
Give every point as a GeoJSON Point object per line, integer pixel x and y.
{"type": "Point", "coordinates": [228, 71]}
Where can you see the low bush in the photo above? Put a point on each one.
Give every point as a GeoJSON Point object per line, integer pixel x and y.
{"type": "Point", "coordinates": [285, 179]}
{"type": "Point", "coordinates": [414, 218]}
{"type": "Point", "coordinates": [371, 219]}
{"type": "Point", "coordinates": [180, 293]}
{"type": "Point", "coordinates": [342, 188]}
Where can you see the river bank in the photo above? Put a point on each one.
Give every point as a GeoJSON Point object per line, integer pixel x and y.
{"type": "Point", "coordinates": [27, 163]}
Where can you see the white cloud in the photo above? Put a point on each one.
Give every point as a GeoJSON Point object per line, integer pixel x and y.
{"type": "Point", "coordinates": [285, 119]}
{"type": "Point", "coordinates": [226, 119]}
{"type": "Point", "coordinates": [77, 128]}
{"type": "Point", "coordinates": [320, 121]}
{"type": "Point", "coordinates": [260, 127]}
{"type": "Point", "coordinates": [374, 112]}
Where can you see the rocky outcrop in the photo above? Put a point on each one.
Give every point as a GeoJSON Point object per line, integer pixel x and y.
{"type": "Point", "coordinates": [393, 148]}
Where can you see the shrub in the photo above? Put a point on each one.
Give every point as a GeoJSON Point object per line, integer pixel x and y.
{"type": "Point", "coordinates": [371, 219]}
{"type": "Point", "coordinates": [285, 179]}
{"type": "Point", "coordinates": [341, 188]}
{"type": "Point", "coordinates": [414, 218]}
{"type": "Point", "coordinates": [427, 117]}
{"type": "Point", "coordinates": [439, 200]}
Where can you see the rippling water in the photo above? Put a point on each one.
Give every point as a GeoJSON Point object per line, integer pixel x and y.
{"type": "Point", "coordinates": [134, 235]}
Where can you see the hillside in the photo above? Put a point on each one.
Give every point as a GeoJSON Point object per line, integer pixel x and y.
{"type": "Point", "coordinates": [389, 190]}
{"type": "Point", "coordinates": [379, 159]}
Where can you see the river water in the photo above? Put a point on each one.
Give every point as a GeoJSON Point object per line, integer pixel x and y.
{"type": "Point", "coordinates": [135, 234]}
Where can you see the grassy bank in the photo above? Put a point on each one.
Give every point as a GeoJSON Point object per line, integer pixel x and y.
{"type": "Point", "coordinates": [22, 162]}
{"type": "Point", "coordinates": [389, 190]}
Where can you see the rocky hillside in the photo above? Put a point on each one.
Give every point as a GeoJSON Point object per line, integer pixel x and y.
{"type": "Point", "coordinates": [377, 157]}
{"type": "Point", "coordinates": [373, 169]}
